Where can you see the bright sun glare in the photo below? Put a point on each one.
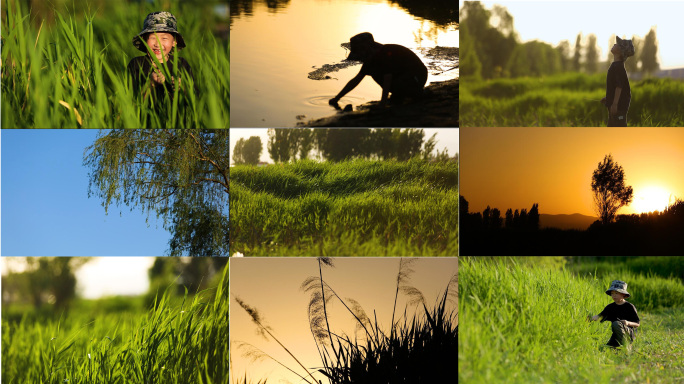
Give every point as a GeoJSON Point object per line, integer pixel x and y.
{"type": "Point", "coordinates": [651, 199]}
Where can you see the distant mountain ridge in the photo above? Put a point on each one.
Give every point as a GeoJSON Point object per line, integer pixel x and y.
{"type": "Point", "coordinates": [573, 221]}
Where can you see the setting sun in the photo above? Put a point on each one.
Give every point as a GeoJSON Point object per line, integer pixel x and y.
{"type": "Point", "coordinates": [651, 198]}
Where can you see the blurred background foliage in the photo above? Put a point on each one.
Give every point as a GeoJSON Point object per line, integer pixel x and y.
{"type": "Point", "coordinates": [654, 282]}
{"type": "Point", "coordinates": [491, 48]}
{"type": "Point", "coordinates": [117, 22]}
{"type": "Point", "coordinates": [663, 266]}
{"type": "Point", "coordinates": [46, 287]}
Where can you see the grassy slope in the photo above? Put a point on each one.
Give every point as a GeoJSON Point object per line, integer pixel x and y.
{"type": "Point", "coordinates": [358, 207]}
{"type": "Point", "coordinates": [527, 325]}
{"type": "Point", "coordinates": [566, 100]}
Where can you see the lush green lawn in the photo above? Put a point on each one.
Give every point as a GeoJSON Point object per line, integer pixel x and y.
{"type": "Point", "coordinates": [177, 341]}
{"type": "Point", "coordinates": [360, 207]}
{"type": "Point", "coordinates": [658, 354]}
{"type": "Point", "coordinates": [525, 324]}
{"type": "Point", "coordinates": [566, 100]}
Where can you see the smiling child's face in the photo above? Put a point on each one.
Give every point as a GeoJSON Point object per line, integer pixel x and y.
{"type": "Point", "coordinates": [161, 44]}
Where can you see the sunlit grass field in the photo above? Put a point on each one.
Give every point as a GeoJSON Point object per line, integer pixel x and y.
{"type": "Point", "coordinates": [526, 324]}
{"type": "Point", "coordinates": [176, 341]}
{"type": "Point", "coordinates": [70, 72]}
{"type": "Point", "coordinates": [566, 100]}
{"type": "Point", "coordinates": [359, 207]}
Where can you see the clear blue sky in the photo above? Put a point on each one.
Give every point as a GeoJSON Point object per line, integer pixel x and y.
{"type": "Point", "coordinates": [45, 207]}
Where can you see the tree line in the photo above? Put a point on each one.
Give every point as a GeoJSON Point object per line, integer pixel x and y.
{"type": "Point", "coordinates": [49, 284]}
{"type": "Point", "coordinates": [491, 219]}
{"type": "Point", "coordinates": [338, 144]}
{"type": "Point", "coordinates": [491, 51]}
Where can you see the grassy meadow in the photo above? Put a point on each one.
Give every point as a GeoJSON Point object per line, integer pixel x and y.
{"type": "Point", "coordinates": [566, 100]}
{"type": "Point", "coordinates": [177, 340]}
{"type": "Point", "coordinates": [357, 207]}
{"type": "Point", "coordinates": [69, 71]}
{"type": "Point", "coordinates": [527, 324]}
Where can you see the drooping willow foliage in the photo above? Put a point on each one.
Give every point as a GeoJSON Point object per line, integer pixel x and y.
{"type": "Point", "coordinates": [180, 175]}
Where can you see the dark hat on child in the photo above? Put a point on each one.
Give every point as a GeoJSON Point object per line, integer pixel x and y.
{"type": "Point", "coordinates": [626, 46]}
{"type": "Point", "coordinates": [158, 22]}
{"type": "Point", "coordinates": [356, 42]}
{"type": "Point", "coordinates": [618, 286]}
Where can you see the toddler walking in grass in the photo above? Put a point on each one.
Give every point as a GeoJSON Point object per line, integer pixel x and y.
{"type": "Point", "coordinates": [618, 93]}
{"type": "Point", "coordinates": [622, 314]}
{"type": "Point", "coordinates": [161, 35]}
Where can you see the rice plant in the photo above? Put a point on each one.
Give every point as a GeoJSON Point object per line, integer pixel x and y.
{"type": "Point", "coordinates": [415, 349]}
{"type": "Point", "coordinates": [72, 73]}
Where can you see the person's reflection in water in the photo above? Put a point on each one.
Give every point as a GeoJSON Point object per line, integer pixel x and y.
{"type": "Point", "coordinates": [395, 68]}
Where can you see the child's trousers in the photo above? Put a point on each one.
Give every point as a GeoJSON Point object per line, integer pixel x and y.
{"type": "Point", "coordinates": [622, 334]}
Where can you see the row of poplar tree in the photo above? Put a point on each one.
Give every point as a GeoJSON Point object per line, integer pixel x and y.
{"type": "Point", "coordinates": [491, 51]}
{"type": "Point", "coordinates": [337, 144]}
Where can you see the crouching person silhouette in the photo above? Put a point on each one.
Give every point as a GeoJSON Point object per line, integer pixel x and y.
{"type": "Point", "coordinates": [395, 68]}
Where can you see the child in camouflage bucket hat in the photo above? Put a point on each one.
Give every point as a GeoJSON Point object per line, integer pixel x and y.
{"type": "Point", "coordinates": [618, 93]}
{"type": "Point", "coordinates": [160, 40]}
{"type": "Point", "coordinates": [622, 315]}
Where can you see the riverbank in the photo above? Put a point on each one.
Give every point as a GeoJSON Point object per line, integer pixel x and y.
{"type": "Point", "coordinates": [438, 108]}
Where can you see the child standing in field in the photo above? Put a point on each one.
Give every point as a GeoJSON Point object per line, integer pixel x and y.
{"type": "Point", "coordinates": [622, 314]}
{"type": "Point", "coordinates": [161, 35]}
{"type": "Point", "coordinates": [618, 93]}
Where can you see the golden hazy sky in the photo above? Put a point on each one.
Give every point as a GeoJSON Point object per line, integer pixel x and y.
{"type": "Point", "coordinates": [516, 167]}
{"type": "Point", "coordinates": [272, 286]}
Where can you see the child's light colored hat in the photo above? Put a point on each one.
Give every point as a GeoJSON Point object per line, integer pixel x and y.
{"type": "Point", "coordinates": [158, 22]}
{"type": "Point", "coordinates": [618, 286]}
{"type": "Point", "coordinates": [626, 46]}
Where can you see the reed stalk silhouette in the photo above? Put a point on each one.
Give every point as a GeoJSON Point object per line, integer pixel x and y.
{"type": "Point", "coordinates": [264, 330]}
{"type": "Point", "coordinates": [418, 350]}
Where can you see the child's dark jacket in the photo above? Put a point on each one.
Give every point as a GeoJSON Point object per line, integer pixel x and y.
{"type": "Point", "coordinates": [613, 312]}
{"type": "Point", "coordinates": [617, 77]}
{"type": "Point", "coordinates": [140, 69]}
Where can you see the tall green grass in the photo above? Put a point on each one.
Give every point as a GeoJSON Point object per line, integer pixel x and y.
{"type": "Point", "coordinates": [361, 206]}
{"type": "Point", "coordinates": [663, 266]}
{"type": "Point", "coordinates": [525, 324]}
{"type": "Point", "coordinates": [72, 74]}
{"type": "Point", "coordinates": [568, 100]}
{"type": "Point", "coordinates": [184, 343]}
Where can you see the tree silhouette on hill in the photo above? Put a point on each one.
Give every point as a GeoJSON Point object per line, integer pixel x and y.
{"type": "Point", "coordinates": [609, 189]}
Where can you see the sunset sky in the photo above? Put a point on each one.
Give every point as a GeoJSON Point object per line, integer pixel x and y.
{"type": "Point", "coordinates": [554, 21]}
{"type": "Point", "coordinates": [516, 167]}
{"type": "Point", "coordinates": [272, 286]}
